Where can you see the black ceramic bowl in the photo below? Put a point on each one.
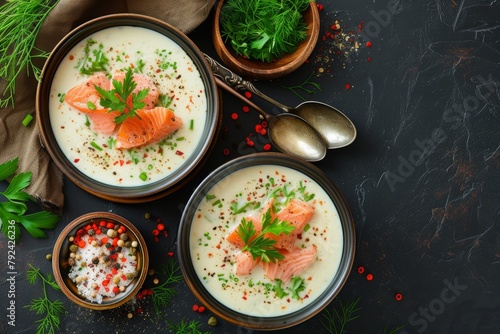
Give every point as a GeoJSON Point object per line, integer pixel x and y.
{"type": "Point", "coordinates": [217, 220]}
{"type": "Point", "coordinates": [61, 255]}
{"type": "Point", "coordinates": [152, 190]}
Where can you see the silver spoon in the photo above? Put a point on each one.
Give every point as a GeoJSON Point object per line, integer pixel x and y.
{"type": "Point", "coordinates": [288, 132]}
{"type": "Point", "coordinates": [335, 127]}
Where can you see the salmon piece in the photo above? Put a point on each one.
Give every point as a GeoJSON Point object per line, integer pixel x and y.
{"type": "Point", "coordinates": [245, 263]}
{"type": "Point", "coordinates": [293, 263]}
{"type": "Point", "coordinates": [143, 82]}
{"type": "Point", "coordinates": [146, 127]}
{"type": "Point", "coordinates": [85, 98]}
{"type": "Point", "coordinates": [84, 95]}
{"type": "Point", "coordinates": [103, 123]}
{"type": "Point", "coordinates": [235, 239]}
{"type": "Point", "coordinates": [298, 214]}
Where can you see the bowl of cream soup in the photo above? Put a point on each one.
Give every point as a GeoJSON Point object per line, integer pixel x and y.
{"type": "Point", "coordinates": [100, 260]}
{"type": "Point", "coordinates": [266, 241]}
{"type": "Point", "coordinates": [127, 107]}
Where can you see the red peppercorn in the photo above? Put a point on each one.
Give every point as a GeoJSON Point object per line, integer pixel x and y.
{"type": "Point", "coordinates": [195, 307]}
{"type": "Point", "coordinates": [267, 147]}
{"type": "Point", "coordinates": [156, 232]}
{"type": "Point", "coordinates": [361, 270]}
{"type": "Point", "coordinates": [398, 296]}
{"type": "Point", "coordinates": [246, 108]}
{"type": "Point", "coordinates": [226, 151]}
{"type": "Point", "coordinates": [248, 95]}
{"type": "Point", "coordinates": [201, 309]}
{"type": "Point", "coordinates": [368, 44]}
{"type": "Point", "coordinates": [160, 227]}
{"type": "Point", "coordinates": [234, 116]}
{"type": "Point", "coordinates": [369, 277]}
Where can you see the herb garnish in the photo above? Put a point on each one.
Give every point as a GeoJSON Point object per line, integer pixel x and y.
{"type": "Point", "coordinates": [98, 63]}
{"type": "Point", "coordinates": [20, 23]}
{"type": "Point", "coordinates": [336, 321]}
{"type": "Point", "coordinates": [51, 310]}
{"type": "Point", "coordinates": [119, 97]}
{"type": "Point", "coordinates": [163, 293]}
{"type": "Point", "coordinates": [184, 327]}
{"type": "Point", "coordinates": [15, 208]}
{"type": "Point", "coordinates": [264, 30]}
{"type": "Point", "coordinates": [256, 243]}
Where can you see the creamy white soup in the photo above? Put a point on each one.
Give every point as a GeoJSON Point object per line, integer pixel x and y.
{"type": "Point", "coordinates": [247, 194]}
{"type": "Point", "coordinates": [179, 85]}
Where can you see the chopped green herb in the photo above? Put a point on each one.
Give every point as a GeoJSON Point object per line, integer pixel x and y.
{"type": "Point", "coordinates": [191, 124]}
{"type": "Point", "coordinates": [96, 146]}
{"type": "Point", "coordinates": [165, 100]}
{"type": "Point", "coordinates": [297, 285]}
{"type": "Point", "coordinates": [94, 60]}
{"type": "Point", "coordinates": [27, 120]}
{"type": "Point", "coordinates": [143, 176]}
{"type": "Point", "coordinates": [209, 197]}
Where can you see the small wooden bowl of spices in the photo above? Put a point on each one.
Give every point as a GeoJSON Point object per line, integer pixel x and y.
{"type": "Point", "coordinates": [240, 43]}
{"type": "Point", "coordinates": [100, 260]}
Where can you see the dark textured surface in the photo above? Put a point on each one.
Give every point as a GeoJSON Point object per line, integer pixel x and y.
{"type": "Point", "coordinates": [422, 178]}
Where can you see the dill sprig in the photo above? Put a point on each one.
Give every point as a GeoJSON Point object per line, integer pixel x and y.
{"type": "Point", "coordinates": [162, 294]}
{"type": "Point", "coordinates": [336, 321]}
{"type": "Point", "coordinates": [263, 30]}
{"type": "Point", "coordinates": [20, 23]}
{"type": "Point", "coordinates": [306, 86]}
{"type": "Point", "coordinates": [51, 310]}
{"type": "Point", "coordinates": [185, 327]}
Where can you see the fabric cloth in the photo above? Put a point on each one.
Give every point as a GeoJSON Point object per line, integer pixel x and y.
{"type": "Point", "coordinates": [17, 140]}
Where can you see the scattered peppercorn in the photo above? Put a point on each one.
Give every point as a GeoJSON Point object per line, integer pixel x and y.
{"type": "Point", "coordinates": [212, 321]}
{"type": "Point", "coordinates": [48, 257]}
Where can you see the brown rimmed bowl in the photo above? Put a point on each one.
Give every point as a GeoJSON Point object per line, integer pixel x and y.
{"type": "Point", "coordinates": [222, 177]}
{"type": "Point", "coordinates": [257, 69]}
{"type": "Point", "coordinates": [61, 254]}
{"type": "Point", "coordinates": [150, 191]}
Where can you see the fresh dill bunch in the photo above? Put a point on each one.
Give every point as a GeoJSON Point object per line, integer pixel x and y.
{"type": "Point", "coordinates": [20, 23]}
{"type": "Point", "coordinates": [263, 30]}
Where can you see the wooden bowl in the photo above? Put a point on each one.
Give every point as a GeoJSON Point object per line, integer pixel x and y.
{"type": "Point", "coordinates": [207, 257]}
{"type": "Point", "coordinates": [263, 70]}
{"type": "Point", "coordinates": [62, 268]}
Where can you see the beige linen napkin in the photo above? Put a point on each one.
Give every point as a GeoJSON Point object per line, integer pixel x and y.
{"type": "Point", "coordinates": [23, 142]}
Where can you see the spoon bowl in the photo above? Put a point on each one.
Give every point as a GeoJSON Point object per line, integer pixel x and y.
{"type": "Point", "coordinates": [288, 132]}
{"type": "Point", "coordinates": [336, 128]}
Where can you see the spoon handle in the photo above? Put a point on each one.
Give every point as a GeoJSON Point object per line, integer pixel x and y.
{"type": "Point", "coordinates": [237, 82]}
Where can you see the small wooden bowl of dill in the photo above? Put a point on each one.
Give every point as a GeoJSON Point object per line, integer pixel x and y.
{"type": "Point", "coordinates": [256, 40]}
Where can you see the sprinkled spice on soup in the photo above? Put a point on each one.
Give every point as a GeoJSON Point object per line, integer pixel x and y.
{"type": "Point", "coordinates": [127, 106]}
{"type": "Point", "coordinates": [266, 241]}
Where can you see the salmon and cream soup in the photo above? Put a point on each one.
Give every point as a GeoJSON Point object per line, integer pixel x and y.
{"type": "Point", "coordinates": [177, 87]}
{"type": "Point", "coordinates": [249, 284]}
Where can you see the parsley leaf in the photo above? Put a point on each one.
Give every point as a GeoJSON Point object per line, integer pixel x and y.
{"type": "Point", "coordinates": [12, 211]}
{"type": "Point", "coordinates": [256, 243]}
{"type": "Point", "coordinates": [297, 285]}
{"type": "Point", "coordinates": [122, 97]}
